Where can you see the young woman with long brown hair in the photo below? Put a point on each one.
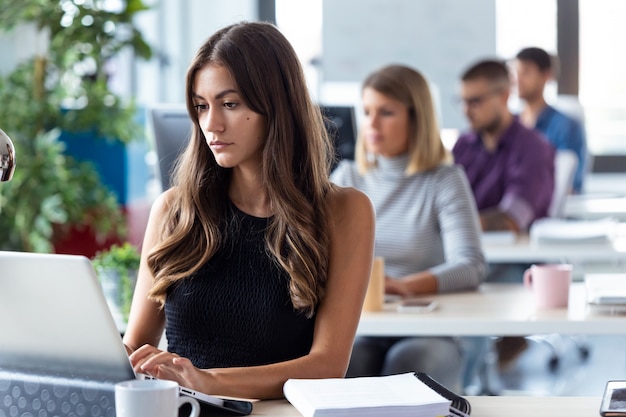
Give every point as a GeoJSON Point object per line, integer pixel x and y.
{"type": "Point", "coordinates": [254, 263]}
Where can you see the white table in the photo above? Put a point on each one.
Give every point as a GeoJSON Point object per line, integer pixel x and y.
{"type": "Point", "coordinates": [482, 407]}
{"type": "Point", "coordinates": [584, 207]}
{"type": "Point", "coordinates": [492, 310]}
{"type": "Point", "coordinates": [522, 250]}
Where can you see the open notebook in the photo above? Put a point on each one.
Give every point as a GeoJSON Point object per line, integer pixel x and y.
{"type": "Point", "coordinates": [60, 350]}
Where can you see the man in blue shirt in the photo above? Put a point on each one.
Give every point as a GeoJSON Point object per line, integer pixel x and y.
{"type": "Point", "coordinates": [534, 70]}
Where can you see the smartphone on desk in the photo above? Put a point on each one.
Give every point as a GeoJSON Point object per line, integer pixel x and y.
{"type": "Point", "coordinates": [210, 405]}
{"type": "Point", "coordinates": [614, 399]}
{"type": "Point", "coordinates": [416, 305]}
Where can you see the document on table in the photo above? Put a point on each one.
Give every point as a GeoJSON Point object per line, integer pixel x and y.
{"type": "Point", "coordinates": [573, 231]}
{"type": "Point", "coordinates": [402, 395]}
{"type": "Point", "coordinates": [503, 237]}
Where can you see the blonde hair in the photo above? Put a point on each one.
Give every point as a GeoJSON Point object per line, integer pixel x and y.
{"type": "Point", "coordinates": [297, 155]}
{"type": "Point", "coordinates": [426, 150]}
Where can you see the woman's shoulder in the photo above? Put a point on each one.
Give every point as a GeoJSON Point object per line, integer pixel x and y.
{"type": "Point", "coordinates": [447, 172]}
{"type": "Point", "coordinates": [348, 201]}
{"type": "Point", "coordinates": [164, 201]}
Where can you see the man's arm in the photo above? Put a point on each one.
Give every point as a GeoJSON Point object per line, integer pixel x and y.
{"type": "Point", "coordinates": [495, 220]}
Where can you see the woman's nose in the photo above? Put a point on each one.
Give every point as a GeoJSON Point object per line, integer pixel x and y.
{"type": "Point", "coordinates": [211, 121]}
{"type": "Point", "coordinates": [372, 120]}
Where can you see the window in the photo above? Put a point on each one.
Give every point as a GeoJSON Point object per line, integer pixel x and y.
{"type": "Point", "coordinates": [602, 69]}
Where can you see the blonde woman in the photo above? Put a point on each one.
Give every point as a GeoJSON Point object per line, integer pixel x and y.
{"type": "Point", "coordinates": [247, 259]}
{"type": "Point", "coordinates": [427, 226]}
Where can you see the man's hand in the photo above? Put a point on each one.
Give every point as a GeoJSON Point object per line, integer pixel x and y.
{"type": "Point", "coordinates": [496, 220]}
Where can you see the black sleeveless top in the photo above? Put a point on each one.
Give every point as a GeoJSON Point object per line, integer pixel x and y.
{"type": "Point", "coordinates": [236, 310]}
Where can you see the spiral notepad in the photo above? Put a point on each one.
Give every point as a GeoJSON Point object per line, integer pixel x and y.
{"type": "Point", "coordinates": [402, 395]}
{"type": "Point", "coordinates": [459, 407]}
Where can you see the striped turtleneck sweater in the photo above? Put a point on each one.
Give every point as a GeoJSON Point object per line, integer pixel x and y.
{"type": "Point", "coordinates": [425, 221]}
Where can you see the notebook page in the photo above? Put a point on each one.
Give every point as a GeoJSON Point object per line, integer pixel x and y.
{"type": "Point", "coordinates": [388, 391]}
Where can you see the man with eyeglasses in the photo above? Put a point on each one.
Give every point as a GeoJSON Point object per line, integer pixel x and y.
{"type": "Point", "coordinates": [510, 169]}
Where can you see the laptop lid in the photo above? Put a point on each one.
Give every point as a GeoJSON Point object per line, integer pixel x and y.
{"type": "Point", "coordinates": [54, 319]}
{"type": "Point", "coordinates": [60, 349]}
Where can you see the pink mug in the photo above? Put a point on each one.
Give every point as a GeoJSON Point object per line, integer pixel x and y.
{"type": "Point", "coordinates": [549, 284]}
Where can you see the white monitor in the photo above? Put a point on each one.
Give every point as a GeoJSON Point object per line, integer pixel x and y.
{"type": "Point", "coordinates": [171, 128]}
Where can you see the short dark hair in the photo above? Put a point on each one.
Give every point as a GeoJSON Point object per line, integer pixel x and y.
{"type": "Point", "coordinates": [493, 70]}
{"type": "Point", "coordinates": [537, 56]}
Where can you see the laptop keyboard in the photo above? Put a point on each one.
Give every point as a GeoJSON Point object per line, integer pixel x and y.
{"type": "Point", "coordinates": [52, 397]}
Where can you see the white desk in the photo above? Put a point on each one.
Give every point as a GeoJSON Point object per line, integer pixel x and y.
{"type": "Point", "coordinates": [492, 310]}
{"type": "Point", "coordinates": [584, 207]}
{"type": "Point", "coordinates": [524, 251]}
{"type": "Point", "coordinates": [482, 407]}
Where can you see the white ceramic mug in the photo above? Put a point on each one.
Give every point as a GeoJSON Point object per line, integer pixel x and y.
{"type": "Point", "coordinates": [550, 284]}
{"type": "Point", "coordinates": [151, 398]}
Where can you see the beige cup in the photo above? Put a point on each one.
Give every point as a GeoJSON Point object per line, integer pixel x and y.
{"type": "Point", "coordinates": [375, 296]}
{"type": "Point", "coordinates": [550, 284]}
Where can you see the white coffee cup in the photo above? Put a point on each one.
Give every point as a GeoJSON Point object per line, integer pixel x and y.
{"type": "Point", "coordinates": [151, 398]}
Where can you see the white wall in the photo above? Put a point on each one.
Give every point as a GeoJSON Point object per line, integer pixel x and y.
{"type": "Point", "coordinates": [19, 45]}
{"type": "Point", "coordinates": [176, 30]}
{"type": "Point", "coordinates": [438, 37]}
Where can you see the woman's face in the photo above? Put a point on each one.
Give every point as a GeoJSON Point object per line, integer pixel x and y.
{"type": "Point", "coordinates": [232, 130]}
{"type": "Point", "coordinates": [386, 124]}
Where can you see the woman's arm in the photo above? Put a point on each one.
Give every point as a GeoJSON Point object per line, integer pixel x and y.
{"type": "Point", "coordinates": [350, 263]}
{"type": "Point", "coordinates": [465, 266]}
{"type": "Point", "coordinates": [146, 321]}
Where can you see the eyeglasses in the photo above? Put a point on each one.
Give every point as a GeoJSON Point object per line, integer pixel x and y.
{"type": "Point", "coordinates": [476, 101]}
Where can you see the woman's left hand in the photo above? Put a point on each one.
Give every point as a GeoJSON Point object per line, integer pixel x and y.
{"type": "Point", "coordinates": [396, 287]}
{"type": "Point", "coordinates": [166, 365]}
{"type": "Point", "coordinates": [423, 282]}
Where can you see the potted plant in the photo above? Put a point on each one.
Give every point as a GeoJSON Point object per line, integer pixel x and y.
{"type": "Point", "coordinates": [117, 271]}
{"type": "Point", "coordinates": [64, 93]}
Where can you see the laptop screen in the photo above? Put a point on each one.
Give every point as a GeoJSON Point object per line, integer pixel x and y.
{"type": "Point", "coordinates": [54, 319]}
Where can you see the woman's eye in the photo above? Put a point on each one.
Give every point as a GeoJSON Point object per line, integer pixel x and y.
{"type": "Point", "coordinates": [230, 105]}
{"type": "Point", "coordinates": [201, 107]}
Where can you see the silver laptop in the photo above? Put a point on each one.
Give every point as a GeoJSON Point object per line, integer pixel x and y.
{"type": "Point", "coordinates": [60, 350]}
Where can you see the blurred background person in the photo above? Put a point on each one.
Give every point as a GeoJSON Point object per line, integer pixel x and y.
{"type": "Point", "coordinates": [534, 68]}
{"type": "Point", "coordinates": [427, 227]}
{"type": "Point", "coordinates": [509, 166]}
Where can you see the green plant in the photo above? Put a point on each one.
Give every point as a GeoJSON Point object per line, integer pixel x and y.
{"type": "Point", "coordinates": [117, 270]}
{"type": "Point", "coordinates": [64, 88]}
{"type": "Point", "coordinates": [48, 193]}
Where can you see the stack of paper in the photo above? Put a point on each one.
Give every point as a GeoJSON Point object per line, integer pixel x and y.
{"type": "Point", "coordinates": [607, 290]}
{"type": "Point", "coordinates": [573, 231]}
{"type": "Point", "coordinates": [390, 396]}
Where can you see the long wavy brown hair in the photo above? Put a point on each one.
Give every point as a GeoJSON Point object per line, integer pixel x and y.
{"type": "Point", "coordinates": [297, 156]}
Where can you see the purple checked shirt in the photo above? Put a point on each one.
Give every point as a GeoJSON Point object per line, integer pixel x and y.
{"type": "Point", "coordinates": [517, 178]}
